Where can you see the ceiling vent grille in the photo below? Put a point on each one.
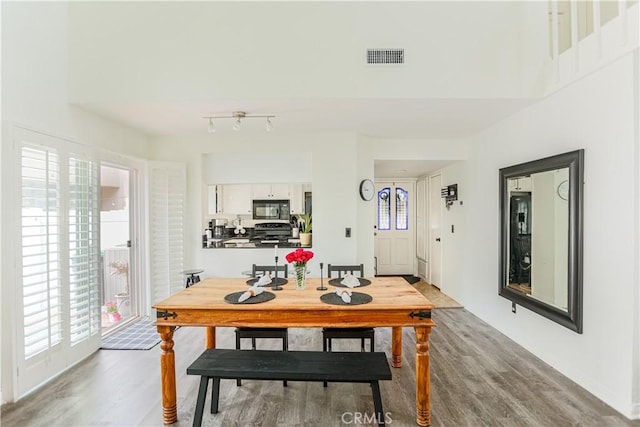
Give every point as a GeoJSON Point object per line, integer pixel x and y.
{"type": "Point", "coordinates": [385, 56]}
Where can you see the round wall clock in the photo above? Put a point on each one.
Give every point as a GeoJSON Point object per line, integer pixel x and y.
{"type": "Point", "coordinates": [563, 190]}
{"type": "Point", "coordinates": [367, 189]}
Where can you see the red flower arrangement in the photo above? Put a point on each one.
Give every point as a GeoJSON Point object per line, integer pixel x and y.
{"type": "Point", "coordinates": [299, 257]}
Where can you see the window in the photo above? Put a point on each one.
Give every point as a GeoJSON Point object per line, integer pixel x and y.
{"type": "Point", "coordinates": [57, 256]}
{"type": "Point", "coordinates": [41, 285]}
{"type": "Point", "coordinates": [84, 249]}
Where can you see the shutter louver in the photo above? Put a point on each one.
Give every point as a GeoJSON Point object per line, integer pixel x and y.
{"type": "Point", "coordinates": [168, 198]}
{"type": "Point", "coordinates": [41, 283]}
{"type": "Point", "coordinates": [84, 250]}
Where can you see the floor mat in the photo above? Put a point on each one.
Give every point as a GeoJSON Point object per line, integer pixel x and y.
{"type": "Point", "coordinates": [411, 279]}
{"type": "Point", "coordinates": [141, 335]}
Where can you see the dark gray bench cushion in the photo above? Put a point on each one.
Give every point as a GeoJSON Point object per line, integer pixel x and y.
{"type": "Point", "coordinates": [292, 365]}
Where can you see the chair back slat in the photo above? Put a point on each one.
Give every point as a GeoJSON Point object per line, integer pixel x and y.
{"type": "Point", "coordinates": [263, 269]}
{"type": "Point", "coordinates": [356, 270]}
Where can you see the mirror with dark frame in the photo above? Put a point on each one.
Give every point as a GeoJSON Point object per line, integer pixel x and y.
{"type": "Point", "coordinates": [541, 237]}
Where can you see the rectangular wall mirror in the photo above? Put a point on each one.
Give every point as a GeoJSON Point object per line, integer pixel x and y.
{"type": "Point", "coordinates": [541, 236]}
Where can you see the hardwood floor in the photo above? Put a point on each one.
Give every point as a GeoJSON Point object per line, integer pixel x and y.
{"type": "Point", "coordinates": [478, 378]}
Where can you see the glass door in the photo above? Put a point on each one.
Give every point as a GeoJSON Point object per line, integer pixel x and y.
{"type": "Point", "coordinates": [118, 289]}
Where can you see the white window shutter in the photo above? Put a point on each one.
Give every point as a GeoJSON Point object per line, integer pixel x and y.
{"type": "Point", "coordinates": [84, 249]}
{"type": "Point", "coordinates": [42, 293]}
{"type": "Point", "coordinates": [167, 206]}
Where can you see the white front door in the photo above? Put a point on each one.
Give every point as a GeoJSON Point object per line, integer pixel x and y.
{"type": "Point", "coordinates": [395, 228]}
{"type": "Point", "coordinates": [435, 231]}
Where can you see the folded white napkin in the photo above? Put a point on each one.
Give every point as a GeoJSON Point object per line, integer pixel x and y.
{"type": "Point", "coordinates": [252, 292]}
{"type": "Point", "coordinates": [263, 280]}
{"type": "Point", "coordinates": [345, 294]}
{"type": "Point", "coordinates": [350, 280]}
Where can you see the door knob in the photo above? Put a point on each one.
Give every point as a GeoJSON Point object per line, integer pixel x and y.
{"type": "Point", "coordinates": [437, 239]}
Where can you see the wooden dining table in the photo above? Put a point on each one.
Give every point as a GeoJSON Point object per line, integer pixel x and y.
{"type": "Point", "coordinates": [394, 303]}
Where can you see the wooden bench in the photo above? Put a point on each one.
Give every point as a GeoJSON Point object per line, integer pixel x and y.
{"type": "Point", "coordinates": [321, 366]}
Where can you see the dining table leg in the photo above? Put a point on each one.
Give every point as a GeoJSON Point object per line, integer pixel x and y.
{"type": "Point", "coordinates": [396, 346]}
{"type": "Point", "coordinates": [423, 381]}
{"type": "Point", "coordinates": [168, 374]}
{"type": "Point", "coordinates": [211, 337]}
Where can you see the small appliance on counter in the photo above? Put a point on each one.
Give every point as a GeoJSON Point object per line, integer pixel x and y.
{"type": "Point", "coordinates": [219, 224]}
{"type": "Point", "coordinates": [239, 230]}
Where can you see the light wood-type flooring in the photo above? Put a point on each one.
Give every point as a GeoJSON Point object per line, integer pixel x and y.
{"type": "Point", "coordinates": [478, 378]}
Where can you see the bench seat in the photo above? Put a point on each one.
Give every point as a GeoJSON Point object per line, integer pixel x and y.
{"type": "Point", "coordinates": [217, 364]}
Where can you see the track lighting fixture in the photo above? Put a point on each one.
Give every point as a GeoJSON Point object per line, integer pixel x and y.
{"type": "Point", "coordinates": [239, 116]}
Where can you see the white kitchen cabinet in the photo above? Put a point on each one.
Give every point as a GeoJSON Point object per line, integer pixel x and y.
{"type": "Point", "coordinates": [214, 199]}
{"type": "Point", "coordinates": [296, 199]}
{"type": "Point", "coordinates": [520, 184]}
{"type": "Point", "coordinates": [236, 199]}
{"type": "Point", "coordinates": [270, 191]}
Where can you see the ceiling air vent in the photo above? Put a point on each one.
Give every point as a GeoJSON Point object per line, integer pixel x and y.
{"type": "Point", "coordinates": [385, 56]}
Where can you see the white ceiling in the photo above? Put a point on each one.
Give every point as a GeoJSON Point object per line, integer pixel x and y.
{"type": "Point", "coordinates": [377, 118]}
{"type": "Point", "coordinates": [407, 168]}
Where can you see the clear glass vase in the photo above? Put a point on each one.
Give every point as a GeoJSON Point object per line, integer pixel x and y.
{"type": "Point", "coordinates": [301, 276]}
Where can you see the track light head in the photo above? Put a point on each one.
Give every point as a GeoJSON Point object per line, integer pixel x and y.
{"type": "Point", "coordinates": [238, 116]}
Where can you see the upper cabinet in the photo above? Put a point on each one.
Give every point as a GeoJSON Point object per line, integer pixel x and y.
{"type": "Point", "coordinates": [520, 184]}
{"type": "Point", "coordinates": [214, 199]}
{"type": "Point", "coordinates": [270, 191]}
{"type": "Point", "coordinates": [236, 199]}
{"type": "Point", "coordinates": [296, 199]}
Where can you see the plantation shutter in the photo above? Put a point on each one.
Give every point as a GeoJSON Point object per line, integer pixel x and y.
{"type": "Point", "coordinates": [168, 187]}
{"type": "Point", "coordinates": [57, 256]}
{"type": "Point", "coordinates": [84, 249]}
{"type": "Point", "coordinates": [42, 292]}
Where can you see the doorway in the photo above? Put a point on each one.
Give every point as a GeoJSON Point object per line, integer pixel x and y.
{"type": "Point", "coordinates": [394, 237]}
{"type": "Point", "coordinates": [118, 280]}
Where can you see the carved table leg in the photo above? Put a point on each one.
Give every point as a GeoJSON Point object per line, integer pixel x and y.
{"type": "Point", "coordinates": [423, 381]}
{"type": "Point", "coordinates": [211, 337]}
{"type": "Point", "coordinates": [396, 346]}
{"type": "Point", "coordinates": [168, 375]}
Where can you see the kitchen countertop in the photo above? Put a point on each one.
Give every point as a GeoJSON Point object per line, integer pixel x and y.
{"type": "Point", "coordinates": [236, 243]}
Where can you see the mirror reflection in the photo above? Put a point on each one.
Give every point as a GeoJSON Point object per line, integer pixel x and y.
{"type": "Point", "coordinates": [538, 235]}
{"type": "Point", "coordinates": [541, 237]}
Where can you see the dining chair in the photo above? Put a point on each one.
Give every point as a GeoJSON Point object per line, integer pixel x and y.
{"type": "Point", "coordinates": [253, 333]}
{"type": "Point", "coordinates": [329, 334]}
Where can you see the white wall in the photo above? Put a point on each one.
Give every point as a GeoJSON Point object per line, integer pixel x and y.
{"type": "Point", "coordinates": [193, 50]}
{"type": "Point", "coordinates": [35, 96]}
{"type": "Point", "coordinates": [600, 114]}
{"type": "Point", "coordinates": [335, 173]}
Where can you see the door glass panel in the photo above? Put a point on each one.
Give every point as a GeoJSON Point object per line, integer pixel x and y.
{"type": "Point", "coordinates": [114, 231]}
{"type": "Point", "coordinates": [402, 209]}
{"type": "Point", "coordinates": [384, 209]}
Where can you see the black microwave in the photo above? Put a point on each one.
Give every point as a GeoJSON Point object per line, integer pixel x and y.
{"type": "Point", "coordinates": [271, 209]}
